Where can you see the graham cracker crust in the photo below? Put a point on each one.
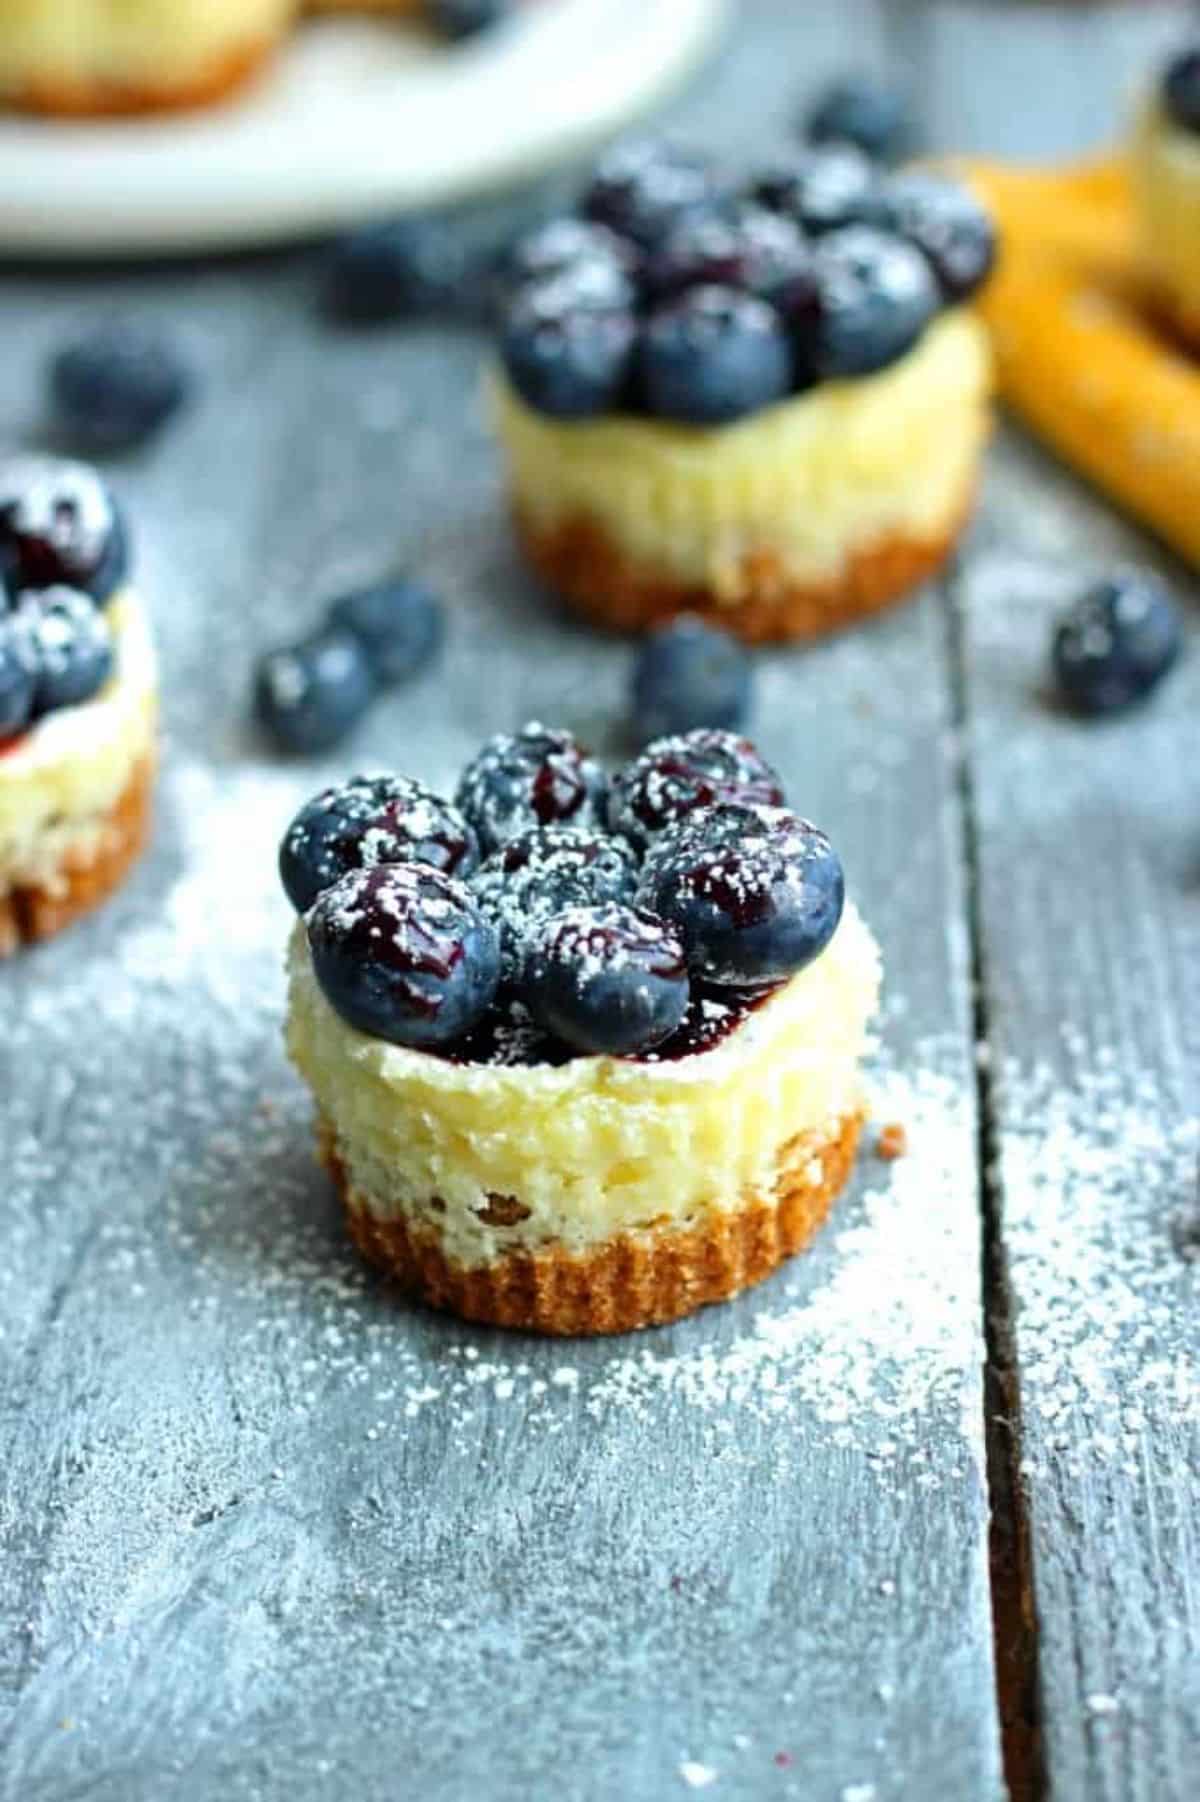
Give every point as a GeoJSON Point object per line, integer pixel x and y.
{"type": "Point", "coordinates": [581, 564]}
{"type": "Point", "coordinates": [60, 98]}
{"type": "Point", "coordinates": [84, 880]}
{"type": "Point", "coordinates": [633, 1280]}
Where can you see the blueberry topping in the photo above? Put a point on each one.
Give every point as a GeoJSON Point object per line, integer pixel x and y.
{"type": "Point", "coordinates": [536, 777]}
{"type": "Point", "coordinates": [689, 675]}
{"type": "Point", "coordinates": [747, 247]}
{"type": "Point", "coordinates": [414, 267]}
{"type": "Point", "coordinates": [367, 822]}
{"type": "Point", "coordinates": [601, 266]}
{"type": "Point", "coordinates": [400, 625]}
{"type": "Point", "coordinates": [1116, 643]}
{"type": "Point", "coordinates": [459, 19]}
{"type": "Point", "coordinates": [404, 953]}
{"type": "Point", "coordinates": [754, 893]}
{"type": "Point", "coordinates": [639, 189]}
{"type": "Point", "coordinates": [309, 695]}
{"type": "Point", "coordinates": [873, 118]}
{"type": "Point", "coordinates": [59, 526]}
{"type": "Point", "coordinates": [18, 673]}
{"type": "Point", "coordinates": [564, 355]}
{"type": "Point", "coordinates": [1181, 89]}
{"type": "Point", "coordinates": [821, 190]}
{"type": "Point", "coordinates": [542, 873]}
{"type": "Point", "coordinates": [609, 980]}
{"type": "Point", "coordinates": [946, 223]}
{"type": "Point", "coordinates": [713, 355]}
{"type": "Point", "coordinates": [117, 386]}
{"type": "Point", "coordinates": [72, 647]}
{"type": "Point", "coordinates": [675, 777]}
{"type": "Point", "coordinates": [874, 297]}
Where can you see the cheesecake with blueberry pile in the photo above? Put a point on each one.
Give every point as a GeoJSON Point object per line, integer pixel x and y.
{"type": "Point", "coordinates": [77, 699]}
{"type": "Point", "coordinates": [585, 1052]}
{"type": "Point", "coordinates": [763, 405]}
{"type": "Point", "coordinates": [1166, 179]}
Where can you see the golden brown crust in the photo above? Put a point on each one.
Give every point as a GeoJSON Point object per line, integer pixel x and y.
{"type": "Point", "coordinates": [79, 99]}
{"type": "Point", "coordinates": [581, 564]}
{"type": "Point", "coordinates": [84, 880]}
{"type": "Point", "coordinates": [633, 1280]}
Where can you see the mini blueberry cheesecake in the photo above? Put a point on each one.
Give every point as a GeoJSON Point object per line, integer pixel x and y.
{"type": "Point", "coordinates": [1166, 180]}
{"type": "Point", "coordinates": [585, 1053]}
{"type": "Point", "coordinates": [766, 407]}
{"type": "Point", "coordinates": [78, 699]}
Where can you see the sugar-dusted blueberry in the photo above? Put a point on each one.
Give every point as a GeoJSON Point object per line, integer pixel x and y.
{"type": "Point", "coordinates": [822, 189]}
{"type": "Point", "coordinates": [1116, 643]}
{"type": "Point", "coordinates": [18, 673]}
{"type": "Point", "coordinates": [872, 116]}
{"type": "Point", "coordinates": [713, 355]}
{"type": "Point", "coordinates": [117, 385]}
{"type": "Point", "coordinates": [641, 187]}
{"type": "Point", "coordinates": [602, 267]}
{"type": "Point", "coordinates": [564, 355]}
{"type": "Point", "coordinates": [405, 268]}
{"type": "Point", "coordinates": [460, 19]}
{"type": "Point", "coordinates": [947, 223]}
{"type": "Point", "coordinates": [682, 775]}
{"type": "Point", "coordinates": [400, 624]}
{"type": "Point", "coordinates": [608, 980]}
{"type": "Point", "coordinates": [874, 296]}
{"type": "Point", "coordinates": [744, 246]}
{"type": "Point", "coordinates": [59, 525]}
{"type": "Point", "coordinates": [369, 821]}
{"type": "Point", "coordinates": [754, 893]}
{"type": "Point", "coordinates": [539, 776]}
{"type": "Point", "coordinates": [309, 695]}
{"type": "Point", "coordinates": [542, 873]}
{"type": "Point", "coordinates": [404, 953]}
{"type": "Point", "coordinates": [687, 675]}
{"type": "Point", "coordinates": [1181, 88]}
{"type": "Point", "coordinates": [72, 646]}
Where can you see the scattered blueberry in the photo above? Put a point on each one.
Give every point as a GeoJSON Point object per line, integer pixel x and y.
{"type": "Point", "coordinates": [820, 189]}
{"type": "Point", "coordinates": [117, 386]}
{"type": "Point", "coordinates": [747, 247]}
{"type": "Point", "coordinates": [946, 223]}
{"type": "Point", "coordinates": [678, 776]}
{"type": "Point", "coordinates": [713, 355]}
{"type": "Point", "coordinates": [543, 872]}
{"type": "Point", "coordinates": [1116, 643]}
{"type": "Point", "coordinates": [1181, 88]}
{"type": "Point", "coordinates": [689, 674]}
{"type": "Point", "coordinates": [309, 695]}
{"type": "Point", "coordinates": [404, 953]}
{"type": "Point", "coordinates": [754, 893]}
{"type": "Point", "coordinates": [640, 188]}
{"type": "Point", "coordinates": [366, 822]}
{"type": "Point", "coordinates": [538, 776]}
{"type": "Point", "coordinates": [400, 625]}
{"type": "Point", "coordinates": [565, 356]}
{"type": "Point", "coordinates": [874, 296]}
{"type": "Point", "coordinates": [869, 115]}
{"type": "Point", "coordinates": [72, 647]}
{"type": "Point", "coordinates": [459, 19]}
{"type": "Point", "coordinates": [601, 266]}
{"type": "Point", "coordinates": [18, 673]}
{"type": "Point", "coordinates": [609, 980]}
{"type": "Point", "coordinates": [400, 269]}
{"type": "Point", "coordinates": [59, 526]}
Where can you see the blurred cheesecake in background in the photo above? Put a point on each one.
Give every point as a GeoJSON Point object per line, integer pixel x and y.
{"type": "Point", "coordinates": [1165, 169]}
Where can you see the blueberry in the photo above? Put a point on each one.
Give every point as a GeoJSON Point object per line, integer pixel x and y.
{"type": "Point", "coordinates": [754, 893]}
{"type": "Point", "coordinates": [117, 386]}
{"type": "Point", "coordinates": [608, 980]}
{"type": "Point", "coordinates": [712, 356]}
{"type": "Point", "coordinates": [565, 356]}
{"type": "Point", "coordinates": [747, 247]}
{"type": "Point", "coordinates": [400, 269]}
{"type": "Point", "coordinates": [18, 673]}
{"type": "Point", "coordinates": [821, 190]}
{"type": "Point", "coordinates": [538, 776]}
{"type": "Point", "coordinates": [59, 526]}
{"type": "Point", "coordinates": [874, 296]}
{"type": "Point", "coordinates": [640, 188]}
{"type": "Point", "coordinates": [1181, 88]}
{"type": "Point", "coordinates": [72, 646]}
{"type": "Point", "coordinates": [872, 117]}
{"type": "Point", "coordinates": [459, 19]}
{"type": "Point", "coordinates": [1116, 643]}
{"type": "Point", "coordinates": [678, 776]}
{"type": "Point", "coordinates": [947, 224]}
{"type": "Point", "coordinates": [309, 695]}
{"type": "Point", "coordinates": [543, 872]}
{"type": "Point", "coordinates": [404, 953]}
{"type": "Point", "coordinates": [601, 266]}
{"type": "Point", "coordinates": [689, 675]}
{"type": "Point", "coordinates": [366, 822]}
{"type": "Point", "coordinates": [400, 625]}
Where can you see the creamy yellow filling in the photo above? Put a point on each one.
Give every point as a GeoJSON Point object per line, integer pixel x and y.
{"type": "Point", "coordinates": [807, 484]}
{"type": "Point", "coordinates": [1166, 177]}
{"type": "Point", "coordinates": [597, 1146]}
{"type": "Point", "coordinates": [65, 776]}
{"type": "Point", "coordinates": [129, 42]}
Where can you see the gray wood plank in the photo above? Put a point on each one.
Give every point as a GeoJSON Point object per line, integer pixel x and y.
{"type": "Point", "coordinates": [1087, 858]}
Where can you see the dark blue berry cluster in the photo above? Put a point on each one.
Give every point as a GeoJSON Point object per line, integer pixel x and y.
{"type": "Point", "coordinates": [64, 552]}
{"type": "Point", "coordinates": [551, 911]}
{"type": "Point", "coordinates": [1181, 88]}
{"type": "Point", "coordinates": [683, 296]}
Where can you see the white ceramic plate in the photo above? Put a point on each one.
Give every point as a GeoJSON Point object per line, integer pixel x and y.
{"type": "Point", "coordinates": [357, 118]}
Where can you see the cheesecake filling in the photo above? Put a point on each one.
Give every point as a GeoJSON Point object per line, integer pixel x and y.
{"type": "Point", "coordinates": [129, 43]}
{"type": "Point", "coordinates": [1166, 176]}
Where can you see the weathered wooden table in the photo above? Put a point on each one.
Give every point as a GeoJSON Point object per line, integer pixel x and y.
{"type": "Point", "coordinates": [267, 1533]}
